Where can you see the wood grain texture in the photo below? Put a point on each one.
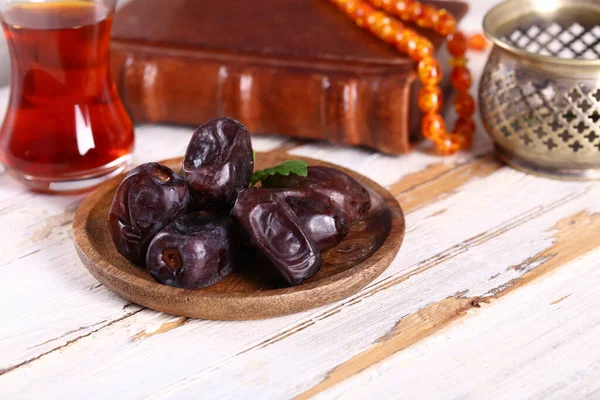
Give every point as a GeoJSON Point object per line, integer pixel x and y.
{"type": "Point", "coordinates": [581, 227]}
{"type": "Point", "coordinates": [366, 252]}
{"type": "Point", "coordinates": [282, 334]}
{"type": "Point", "coordinates": [252, 362]}
{"type": "Point", "coordinates": [407, 332]}
{"type": "Point", "coordinates": [295, 29]}
{"type": "Point", "coordinates": [51, 259]}
{"type": "Point", "coordinates": [524, 345]}
{"type": "Point", "coordinates": [480, 240]}
{"type": "Point", "coordinates": [328, 80]}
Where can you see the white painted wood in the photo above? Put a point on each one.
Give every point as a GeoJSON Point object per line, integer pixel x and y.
{"type": "Point", "coordinates": [525, 345]}
{"type": "Point", "coordinates": [328, 341]}
{"type": "Point", "coordinates": [41, 267]}
{"type": "Point", "coordinates": [47, 217]}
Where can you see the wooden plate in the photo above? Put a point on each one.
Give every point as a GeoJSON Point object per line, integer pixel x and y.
{"type": "Point", "coordinates": [359, 259]}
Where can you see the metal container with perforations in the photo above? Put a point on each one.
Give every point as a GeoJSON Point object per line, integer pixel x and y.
{"type": "Point", "coordinates": [540, 91]}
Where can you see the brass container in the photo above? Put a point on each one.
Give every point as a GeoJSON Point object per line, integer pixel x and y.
{"type": "Point", "coordinates": [540, 90]}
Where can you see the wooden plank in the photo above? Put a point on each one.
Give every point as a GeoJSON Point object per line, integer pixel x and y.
{"type": "Point", "coordinates": [538, 342]}
{"type": "Point", "coordinates": [47, 221]}
{"type": "Point", "coordinates": [50, 237]}
{"type": "Point", "coordinates": [419, 277]}
{"type": "Point", "coordinates": [445, 184]}
{"type": "Point", "coordinates": [323, 339]}
{"type": "Point", "coordinates": [414, 287]}
{"type": "Point", "coordinates": [574, 236]}
{"type": "Point", "coordinates": [50, 234]}
{"type": "Point", "coordinates": [476, 232]}
{"type": "Point", "coordinates": [40, 252]}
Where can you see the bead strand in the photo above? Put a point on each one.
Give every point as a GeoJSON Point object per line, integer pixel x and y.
{"type": "Point", "coordinates": [477, 42]}
{"type": "Point", "coordinates": [425, 16]}
{"type": "Point", "coordinates": [460, 78]}
{"type": "Point", "coordinates": [366, 14]}
{"type": "Point", "coordinates": [388, 29]}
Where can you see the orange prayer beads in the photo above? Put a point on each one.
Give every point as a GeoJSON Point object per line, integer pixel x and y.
{"type": "Point", "coordinates": [415, 11]}
{"type": "Point", "coordinates": [445, 24]}
{"type": "Point", "coordinates": [452, 143]}
{"type": "Point", "coordinates": [460, 79]}
{"type": "Point", "coordinates": [401, 7]}
{"type": "Point", "coordinates": [431, 99]}
{"type": "Point", "coordinates": [429, 71]}
{"type": "Point", "coordinates": [422, 48]}
{"type": "Point", "coordinates": [464, 105]}
{"type": "Point", "coordinates": [478, 42]}
{"type": "Point", "coordinates": [365, 14]}
{"type": "Point", "coordinates": [457, 44]}
{"type": "Point", "coordinates": [428, 17]}
{"type": "Point", "coordinates": [465, 126]}
{"type": "Point", "coordinates": [433, 126]}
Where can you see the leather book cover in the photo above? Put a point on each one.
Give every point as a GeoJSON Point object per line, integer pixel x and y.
{"type": "Point", "coordinates": [299, 68]}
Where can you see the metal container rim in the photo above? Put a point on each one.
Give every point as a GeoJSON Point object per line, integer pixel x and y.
{"type": "Point", "coordinates": [510, 11]}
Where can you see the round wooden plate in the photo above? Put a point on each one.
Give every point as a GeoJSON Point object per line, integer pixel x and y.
{"type": "Point", "coordinates": [359, 259]}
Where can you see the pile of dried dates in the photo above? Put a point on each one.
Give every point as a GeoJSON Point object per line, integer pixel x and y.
{"type": "Point", "coordinates": [188, 231]}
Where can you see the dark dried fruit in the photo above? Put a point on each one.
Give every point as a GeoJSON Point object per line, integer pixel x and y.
{"type": "Point", "coordinates": [343, 189]}
{"type": "Point", "coordinates": [275, 230]}
{"type": "Point", "coordinates": [194, 251]}
{"type": "Point", "coordinates": [321, 218]}
{"type": "Point", "coordinates": [218, 163]}
{"type": "Point", "coordinates": [149, 197]}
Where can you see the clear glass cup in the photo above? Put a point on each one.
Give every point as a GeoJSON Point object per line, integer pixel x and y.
{"type": "Point", "coordinates": [65, 129]}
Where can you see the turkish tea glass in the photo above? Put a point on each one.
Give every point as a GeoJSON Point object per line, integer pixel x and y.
{"type": "Point", "coordinates": [65, 129]}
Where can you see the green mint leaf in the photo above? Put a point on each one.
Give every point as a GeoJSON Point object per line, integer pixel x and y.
{"type": "Point", "coordinates": [296, 167]}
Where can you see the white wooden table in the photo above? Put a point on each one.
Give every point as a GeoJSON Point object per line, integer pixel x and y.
{"type": "Point", "coordinates": [493, 295]}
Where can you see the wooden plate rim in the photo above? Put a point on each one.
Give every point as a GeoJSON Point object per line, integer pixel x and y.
{"type": "Point", "coordinates": [261, 304]}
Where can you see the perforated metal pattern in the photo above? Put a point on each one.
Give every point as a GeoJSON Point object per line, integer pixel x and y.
{"type": "Point", "coordinates": [544, 115]}
{"type": "Point", "coordinates": [536, 111]}
{"type": "Point", "coordinates": [553, 39]}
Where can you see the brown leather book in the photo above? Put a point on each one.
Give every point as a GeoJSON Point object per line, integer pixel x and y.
{"type": "Point", "coordinates": [293, 67]}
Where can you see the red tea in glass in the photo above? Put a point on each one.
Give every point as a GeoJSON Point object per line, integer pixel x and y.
{"type": "Point", "coordinates": [65, 128]}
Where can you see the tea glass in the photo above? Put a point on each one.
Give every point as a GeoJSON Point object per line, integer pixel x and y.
{"type": "Point", "coordinates": [65, 129]}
